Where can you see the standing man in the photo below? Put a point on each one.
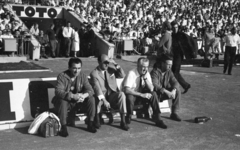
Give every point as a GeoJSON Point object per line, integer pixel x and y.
{"type": "Point", "coordinates": [181, 45]}
{"type": "Point", "coordinates": [106, 89]}
{"type": "Point", "coordinates": [165, 84]}
{"type": "Point", "coordinates": [43, 40]}
{"type": "Point", "coordinates": [138, 86]}
{"type": "Point", "coordinates": [67, 34]}
{"type": "Point", "coordinates": [52, 40]}
{"type": "Point", "coordinates": [165, 43]}
{"type": "Point", "coordinates": [231, 42]}
{"type": "Point", "coordinates": [73, 90]}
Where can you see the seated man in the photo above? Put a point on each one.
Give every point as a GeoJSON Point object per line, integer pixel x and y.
{"type": "Point", "coordinates": [103, 80]}
{"type": "Point", "coordinates": [166, 85]}
{"type": "Point", "coordinates": [138, 86]}
{"type": "Point", "coordinates": [73, 90]}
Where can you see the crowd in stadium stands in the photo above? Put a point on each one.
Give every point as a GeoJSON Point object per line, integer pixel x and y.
{"type": "Point", "coordinates": [142, 21]}
{"type": "Point", "coordinates": [10, 27]}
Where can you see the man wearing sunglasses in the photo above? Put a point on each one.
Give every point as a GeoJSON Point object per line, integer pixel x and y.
{"type": "Point", "coordinates": [103, 80]}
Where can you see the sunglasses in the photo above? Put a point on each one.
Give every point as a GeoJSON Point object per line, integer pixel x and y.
{"type": "Point", "coordinates": [106, 62]}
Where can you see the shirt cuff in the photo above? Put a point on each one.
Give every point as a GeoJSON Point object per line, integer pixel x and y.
{"type": "Point", "coordinates": [100, 97]}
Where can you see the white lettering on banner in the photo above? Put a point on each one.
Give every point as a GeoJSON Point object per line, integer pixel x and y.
{"type": "Point", "coordinates": [24, 96]}
{"type": "Point", "coordinates": [199, 42]}
{"type": "Point", "coordinates": [36, 12]}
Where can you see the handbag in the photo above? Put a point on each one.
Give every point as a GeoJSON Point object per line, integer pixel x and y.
{"type": "Point", "coordinates": [49, 127]}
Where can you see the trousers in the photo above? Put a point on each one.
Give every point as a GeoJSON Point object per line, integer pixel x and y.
{"type": "Point", "coordinates": [63, 106]}
{"type": "Point", "coordinates": [229, 57]}
{"type": "Point", "coordinates": [67, 45]}
{"type": "Point", "coordinates": [117, 100]}
{"type": "Point", "coordinates": [153, 102]}
{"type": "Point", "coordinates": [176, 67]}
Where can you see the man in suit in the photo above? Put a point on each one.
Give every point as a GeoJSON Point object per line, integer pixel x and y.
{"type": "Point", "coordinates": [138, 87]}
{"type": "Point", "coordinates": [103, 79]}
{"type": "Point", "coordinates": [165, 84]}
{"type": "Point", "coordinates": [73, 90]}
{"type": "Point", "coordinates": [182, 45]}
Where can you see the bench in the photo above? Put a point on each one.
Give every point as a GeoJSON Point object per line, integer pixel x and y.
{"type": "Point", "coordinates": [107, 118]}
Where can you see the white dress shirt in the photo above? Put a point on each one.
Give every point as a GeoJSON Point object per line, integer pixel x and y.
{"type": "Point", "coordinates": [67, 32]}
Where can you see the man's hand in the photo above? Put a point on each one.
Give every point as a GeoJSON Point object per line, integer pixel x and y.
{"type": "Point", "coordinates": [75, 97]}
{"type": "Point", "coordinates": [146, 95]}
{"type": "Point", "coordinates": [81, 98]}
{"type": "Point", "coordinates": [106, 103]}
{"type": "Point", "coordinates": [117, 66]}
{"type": "Point", "coordinates": [170, 94]}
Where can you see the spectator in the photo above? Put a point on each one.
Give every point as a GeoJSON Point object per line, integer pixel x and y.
{"type": "Point", "coordinates": [34, 30]}
{"type": "Point", "coordinates": [75, 43]}
{"type": "Point", "coordinates": [52, 40]}
{"type": "Point", "coordinates": [67, 34]}
{"type": "Point", "coordinates": [44, 41]}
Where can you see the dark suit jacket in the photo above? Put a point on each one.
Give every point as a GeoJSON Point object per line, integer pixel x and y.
{"type": "Point", "coordinates": [160, 82]}
{"type": "Point", "coordinates": [98, 80]}
{"type": "Point", "coordinates": [62, 89]}
{"type": "Point", "coordinates": [183, 44]}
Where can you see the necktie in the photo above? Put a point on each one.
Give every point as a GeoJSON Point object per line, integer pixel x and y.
{"type": "Point", "coordinates": [106, 84]}
{"type": "Point", "coordinates": [140, 85]}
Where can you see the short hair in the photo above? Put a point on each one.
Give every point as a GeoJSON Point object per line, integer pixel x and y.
{"type": "Point", "coordinates": [74, 61]}
{"type": "Point", "coordinates": [167, 25]}
{"type": "Point", "coordinates": [173, 23]}
{"type": "Point", "coordinates": [164, 58]}
{"type": "Point", "coordinates": [142, 59]}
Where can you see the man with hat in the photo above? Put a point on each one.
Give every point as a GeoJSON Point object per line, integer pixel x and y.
{"type": "Point", "coordinates": [103, 80]}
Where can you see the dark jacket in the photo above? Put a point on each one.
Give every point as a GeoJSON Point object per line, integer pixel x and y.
{"type": "Point", "coordinates": [160, 82]}
{"type": "Point", "coordinates": [184, 45]}
{"type": "Point", "coordinates": [62, 89]}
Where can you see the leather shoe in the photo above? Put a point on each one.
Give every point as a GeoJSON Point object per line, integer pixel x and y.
{"type": "Point", "coordinates": [71, 124]}
{"type": "Point", "coordinates": [97, 123]}
{"type": "Point", "coordinates": [91, 129]}
{"type": "Point", "coordinates": [186, 89]}
{"type": "Point", "coordinates": [64, 132]}
{"type": "Point", "coordinates": [128, 119]}
{"type": "Point", "coordinates": [124, 126]}
{"type": "Point", "coordinates": [175, 117]}
{"type": "Point", "coordinates": [161, 124]}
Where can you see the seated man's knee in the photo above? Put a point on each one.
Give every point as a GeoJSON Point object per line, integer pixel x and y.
{"type": "Point", "coordinates": [91, 100]}
{"type": "Point", "coordinates": [122, 95]}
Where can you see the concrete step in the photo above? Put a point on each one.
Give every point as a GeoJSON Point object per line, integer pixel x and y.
{"type": "Point", "coordinates": [12, 59]}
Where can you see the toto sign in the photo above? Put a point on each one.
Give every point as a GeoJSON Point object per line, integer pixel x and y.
{"type": "Point", "coordinates": [36, 12]}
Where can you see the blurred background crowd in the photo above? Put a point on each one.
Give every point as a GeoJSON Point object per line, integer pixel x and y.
{"type": "Point", "coordinates": [141, 20]}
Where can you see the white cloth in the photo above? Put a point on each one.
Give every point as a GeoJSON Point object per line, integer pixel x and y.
{"type": "Point", "coordinates": [33, 129]}
{"type": "Point", "coordinates": [132, 79]}
{"type": "Point", "coordinates": [76, 40]}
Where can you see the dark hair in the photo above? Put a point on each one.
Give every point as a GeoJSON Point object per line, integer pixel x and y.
{"type": "Point", "coordinates": [74, 61]}
{"type": "Point", "coordinates": [173, 23]}
{"type": "Point", "coordinates": [164, 58]}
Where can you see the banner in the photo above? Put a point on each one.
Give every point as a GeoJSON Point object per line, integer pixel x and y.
{"type": "Point", "coordinates": [37, 11]}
